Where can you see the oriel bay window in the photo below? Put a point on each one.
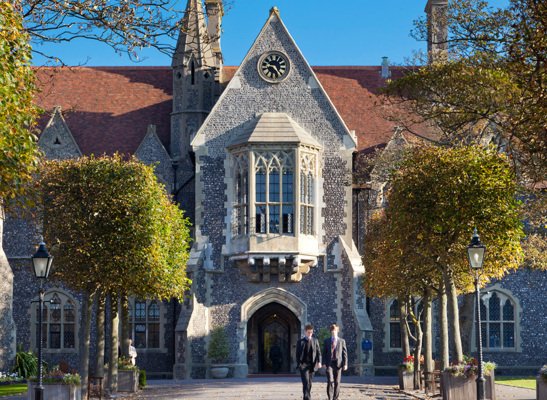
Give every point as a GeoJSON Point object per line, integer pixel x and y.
{"type": "Point", "coordinates": [275, 192]}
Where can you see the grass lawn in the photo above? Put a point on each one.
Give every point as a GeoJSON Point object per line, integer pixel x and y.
{"type": "Point", "coordinates": [16, 388]}
{"type": "Point", "coordinates": [518, 381]}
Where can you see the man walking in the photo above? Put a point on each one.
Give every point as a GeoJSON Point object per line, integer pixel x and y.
{"type": "Point", "coordinates": [308, 359]}
{"type": "Point", "coordinates": [336, 359]}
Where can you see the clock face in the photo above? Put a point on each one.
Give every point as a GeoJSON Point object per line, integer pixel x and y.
{"type": "Point", "coordinates": [273, 66]}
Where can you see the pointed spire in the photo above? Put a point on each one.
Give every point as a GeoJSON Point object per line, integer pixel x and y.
{"type": "Point", "coordinates": [194, 38]}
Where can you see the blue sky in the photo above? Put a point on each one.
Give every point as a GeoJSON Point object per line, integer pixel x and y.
{"type": "Point", "coordinates": [350, 32]}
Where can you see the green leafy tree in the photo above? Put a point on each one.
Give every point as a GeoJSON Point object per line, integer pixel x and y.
{"type": "Point", "coordinates": [114, 230]}
{"type": "Point", "coordinates": [491, 82]}
{"type": "Point", "coordinates": [438, 196]}
{"type": "Point", "coordinates": [18, 149]}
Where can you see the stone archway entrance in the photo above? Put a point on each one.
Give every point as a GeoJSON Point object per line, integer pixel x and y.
{"type": "Point", "coordinates": [272, 333]}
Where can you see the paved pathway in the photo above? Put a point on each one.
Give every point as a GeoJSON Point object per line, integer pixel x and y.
{"type": "Point", "coordinates": [362, 388]}
{"type": "Point", "coordinates": [269, 389]}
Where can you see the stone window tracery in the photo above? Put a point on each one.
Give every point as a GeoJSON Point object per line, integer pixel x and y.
{"type": "Point", "coordinates": [274, 196]}
{"type": "Point", "coordinates": [498, 324]}
{"type": "Point", "coordinates": [59, 322]}
{"type": "Point", "coordinates": [144, 320]}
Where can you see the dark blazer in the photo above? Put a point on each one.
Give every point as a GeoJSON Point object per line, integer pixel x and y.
{"type": "Point", "coordinates": [341, 352]}
{"type": "Point", "coordinates": [316, 353]}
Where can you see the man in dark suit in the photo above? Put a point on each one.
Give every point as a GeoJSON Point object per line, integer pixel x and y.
{"type": "Point", "coordinates": [308, 359]}
{"type": "Point", "coordinates": [336, 360]}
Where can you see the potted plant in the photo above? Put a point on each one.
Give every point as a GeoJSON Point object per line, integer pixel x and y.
{"type": "Point", "coordinates": [57, 385]}
{"type": "Point", "coordinates": [128, 375]}
{"type": "Point", "coordinates": [406, 373]}
{"type": "Point", "coordinates": [459, 380]}
{"type": "Point", "coordinates": [541, 384]}
{"type": "Point", "coordinates": [218, 352]}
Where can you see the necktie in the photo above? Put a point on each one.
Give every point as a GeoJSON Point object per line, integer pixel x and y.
{"type": "Point", "coordinates": [333, 348]}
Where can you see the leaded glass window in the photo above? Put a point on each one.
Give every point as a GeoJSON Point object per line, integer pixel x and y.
{"type": "Point", "coordinates": [144, 317]}
{"type": "Point", "coordinates": [274, 194]}
{"type": "Point", "coordinates": [58, 322]}
{"type": "Point", "coordinates": [497, 321]}
{"type": "Point", "coordinates": [241, 220]}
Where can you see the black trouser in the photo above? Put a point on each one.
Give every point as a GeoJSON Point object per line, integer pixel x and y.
{"type": "Point", "coordinates": [306, 374]}
{"type": "Point", "coordinates": [334, 374]}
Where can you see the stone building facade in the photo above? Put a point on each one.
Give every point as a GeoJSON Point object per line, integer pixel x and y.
{"type": "Point", "coordinates": [262, 157]}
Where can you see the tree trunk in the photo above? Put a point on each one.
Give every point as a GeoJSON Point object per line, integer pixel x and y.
{"type": "Point", "coordinates": [114, 328]}
{"type": "Point", "coordinates": [443, 322]}
{"type": "Point", "coordinates": [7, 338]}
{"type": "Point", "coordinates": [87, 309]}
{"type": "Point", "coordinates": [99, 363]}
{"type": "Point", "coordinates": [466, 321]}
{"type": "Point", "coordinates": [125, 336]}
{"type": "Point", "coordinates": [417, 353]}
{"type": "Point", "coordinates": [428, 335]}
{"type": "Point", "coordinates": [405, 343]}
{"type": "Point", "coordinates": [454, 320]}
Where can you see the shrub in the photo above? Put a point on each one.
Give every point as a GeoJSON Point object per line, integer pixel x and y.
{"type": "Point", "coordinates": [26, 364]}
{"type": "Point", "coordinates": [218, 346]}
{"type": "Point", "coordinates": [142, 378]}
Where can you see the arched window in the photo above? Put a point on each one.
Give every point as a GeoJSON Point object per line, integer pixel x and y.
{"type": "Point", "coordinates": [144, 319]}
{"type": "Point", "coordinates": [393, 326]}
{"type": "Point", "coordinates": [498, 322]}
{"type": "Point", "coordinates": [59, 322]}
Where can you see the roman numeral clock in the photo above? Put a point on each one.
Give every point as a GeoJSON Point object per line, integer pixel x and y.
{"type": "Point", "coordinates": [273, 66]}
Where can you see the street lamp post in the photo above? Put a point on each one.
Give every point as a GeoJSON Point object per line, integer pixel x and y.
{"type": "Point", "coordinates": [41, 262]}
{"type": "Point", "coordinates": [475, 252]}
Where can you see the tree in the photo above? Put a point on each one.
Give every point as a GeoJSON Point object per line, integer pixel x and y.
{"type": "Point", "coordinates": [113, 230]}
{"type": "Point", "coordinates": [126, 27]}
{"type": "Point", "coordinates": [491, 82]}
{"type": "Point", "coordinates": [18, 149]}
{"type": "Point", "coordinates": [438, 196]}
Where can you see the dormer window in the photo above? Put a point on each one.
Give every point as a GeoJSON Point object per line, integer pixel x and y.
{"type": "Point", "coordinates": [274, 193]}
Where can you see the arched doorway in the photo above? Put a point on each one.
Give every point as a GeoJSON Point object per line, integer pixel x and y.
{"type": "Point", "coordinates": [272, 332]}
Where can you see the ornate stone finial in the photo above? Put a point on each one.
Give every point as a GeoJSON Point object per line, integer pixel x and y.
{"type": "Point", "coordinates": [274, 10]}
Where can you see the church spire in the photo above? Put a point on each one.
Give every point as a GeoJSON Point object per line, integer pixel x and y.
{"type": "Point", "coordinates": [196, 72]}
{"type": "Point", "coordinates": [194, 41]}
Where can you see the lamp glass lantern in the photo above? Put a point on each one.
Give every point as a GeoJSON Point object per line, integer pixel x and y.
{"type": "Point", "coordinates": [475, 252]}
{"type": "Point", "coordinates": [41, 262]}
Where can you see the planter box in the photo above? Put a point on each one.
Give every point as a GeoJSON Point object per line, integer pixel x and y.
{"type": "Point", "coordinates": [56, 391]}
{"type": "Point", "coordinates": [463, 388]}
{"type": "Point", "coordinates": [541, 388]}
{"type": "Point", "coordinates": [406, 379]}
{"type": "Point", "coordinates": [128, 381]}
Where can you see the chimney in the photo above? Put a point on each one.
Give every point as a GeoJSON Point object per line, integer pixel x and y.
{"type": "Point", "coordinates": [437, 29]}
{"type": "Point", "coordinates": [215, 12]}
{"type": "Point", "coordinates": [385, 72]}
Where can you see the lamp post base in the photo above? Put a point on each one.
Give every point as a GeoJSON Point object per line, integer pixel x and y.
{"type": "Point", "coordinates": [39, 393]}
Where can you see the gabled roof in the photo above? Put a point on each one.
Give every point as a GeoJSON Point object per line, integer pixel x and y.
{"type": "Point", "coordinates": [274, 128]}
{"type": "Point", "coordinates": [108, 109]}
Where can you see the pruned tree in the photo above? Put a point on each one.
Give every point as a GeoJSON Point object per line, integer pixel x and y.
{"type": "Point", "coordinates": [113, 230]}
{"type": "Point", "coordinates": [438, 196]}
